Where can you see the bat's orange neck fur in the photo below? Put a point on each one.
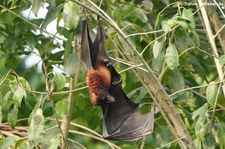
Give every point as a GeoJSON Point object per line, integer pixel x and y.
{"type": "Point", "coordinates": [98, 81]}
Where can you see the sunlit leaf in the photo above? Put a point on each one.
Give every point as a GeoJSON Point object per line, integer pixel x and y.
{"type": "Point", "coordinates": [36, 6]}
{"type": "Point", "coordinates": [13, 116]}
{"type": "Point", "coordinates": [52, 14]}
{"type": "Point", "coordinates": [197, 143]}
{"type": "Point", "coordinates": [222, 60]}
{"type": "Point", "coordinates": [62, 107]}
{"type": "Point", "coordinates": [187, 14]}
{"type": "Point", "coordinates": [54, 143]}
{"type": "Point", "coordinates": [8, 142]}
{"type": "Point", "coordinates": [19, 94]}
{"type": "Point", "coordinates": [183, 24]}
{"type": "Point", "coordinates": [211, 93]}
{"type": "Point", "coordinates": [200, 126]}
{"type": "Point", "coordinates": [171, 57]}
{"type": "Point", "coordinates": [158, 62]}
{"type": "Point", "coordinates": [148, 5]}
{"type": "Point", "coordinates": [36, 125]}
{"type": "Point", "coordinates": [221, 134]}
{"type": "Point", "coordinates": [158, 45]}
{"type": "Point", "coordinates": [71, 64]}
{"type": "Point", "coordinates": [68, 49]}
{"type": "Point", "coordinates": [165, 26]}
{"type": "Point", "coordinates": [21, 142]}
{"type": "Point", "coordinates": [71, 15]}
{"type": "Point", "coordinates": [59, 80]}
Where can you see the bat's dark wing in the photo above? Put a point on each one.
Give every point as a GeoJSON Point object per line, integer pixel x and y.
{"type": "Point", "coordinates": [86, 44]}
{"type": "Point", "coordinates": [122, 119]}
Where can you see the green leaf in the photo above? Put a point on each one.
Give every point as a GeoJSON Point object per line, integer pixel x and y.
{"type": "Point", "coordinates": [21, 142]}
{"type": "Point", "coordinates": [176, 80]}
{"type": "Point", "coordinates": [209, 141]}
{"type": "Point", "coordinates": [62, 107]}
{"type": "Point", "coordinates": [148, 5]}
{"type": "Point", "coordinates": [6, 103]}
{"type": "Point", "coordinates": [19, 94]}
{"type": "Point", "coordinates": [222, 60]}
{"type": "Point", "coordinates": [36, 5]}
{"type": "Point", "coordinates": [202, 132]}
{"type": "Point", "coordinates": [172, 22]}
{"type": "Point", "coordinates": [158, 45]}
{"type": "Point", "coordinates": [0, 114]}
{"type": "Point", "coordinates": [198, 143]}
{"type": "Point", "coordinates": [68, 49]}
{"type": "Point", "coordinates": [221, 134]}
{"type": "Point", "coordinates": [13, 116]}
{"type": "Point", "coordinates": [171, 57]}
{"type": "Point", "coordinates": [200, 125]}
{"type": "Point", "coordinates": [71, 15]}
{"type": "Point", "coordinates": [71, 64]}
{"type": "Point", "coordinates": [54, 143]}
{"type": "Point", "coordinates": [8, 142]}
{"type": "Point", "coordinates": [165, 26]}
{"type": "Point", "coordinates": [183, 24]}
{"type": "Point", "coordinates": [158, 62]}
{"type": "Point", "coordinates": [187, 14]}
{"type": "Point", "coordinates": [211, 93]}
{"type": "Point", "coordinates": [59, 80]}
{"type": "Point", "coordinates": [52, 14]}
{"type": "Point", "coordinates": [36, 125]}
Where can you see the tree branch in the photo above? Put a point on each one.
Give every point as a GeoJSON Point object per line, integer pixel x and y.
{"type": "Point", "coordinates": [212, 42]}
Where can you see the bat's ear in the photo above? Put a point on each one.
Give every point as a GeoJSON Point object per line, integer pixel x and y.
{"type": "Point", "coordinates": [86, 43]}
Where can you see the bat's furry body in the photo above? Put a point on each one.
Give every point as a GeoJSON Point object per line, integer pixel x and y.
{"type": "Point", "coordinates": [99, 81]}
{"type": "Point", "coordinates": [121, 117]}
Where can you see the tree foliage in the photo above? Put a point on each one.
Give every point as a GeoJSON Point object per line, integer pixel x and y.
{"type": "Point", "coordinates": [43, 80]}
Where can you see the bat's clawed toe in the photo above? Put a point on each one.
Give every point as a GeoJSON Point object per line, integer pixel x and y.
{"type": "Point", "coordinates": [110, 99]}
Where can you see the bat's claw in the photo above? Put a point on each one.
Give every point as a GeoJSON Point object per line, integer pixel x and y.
{"type": "Point", "coordinates": [117, 82]}
{"type": "Point", "coordinates": [110, 99]}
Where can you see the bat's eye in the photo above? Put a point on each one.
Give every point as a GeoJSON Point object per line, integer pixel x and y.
{"type": "Point", "coordinates": [107, 62]}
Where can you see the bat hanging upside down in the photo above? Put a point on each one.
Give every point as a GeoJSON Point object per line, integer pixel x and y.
{"type": "Point", "coordinates": [121, 117]}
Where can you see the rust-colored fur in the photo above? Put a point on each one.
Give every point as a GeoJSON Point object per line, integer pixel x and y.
{"type": "Point", "coordinates": [98, 81]}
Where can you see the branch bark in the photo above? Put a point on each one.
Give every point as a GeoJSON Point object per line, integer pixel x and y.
{"type": "Point", "coordinates": [212, 42]}
{"type": "Point", "coordinates": [217, 26]}
{"type": "Point", "coordinates": [66, 119]}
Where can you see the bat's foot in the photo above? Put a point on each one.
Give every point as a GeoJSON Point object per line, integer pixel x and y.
{"type": "Point", "coordinates": [110, 99]}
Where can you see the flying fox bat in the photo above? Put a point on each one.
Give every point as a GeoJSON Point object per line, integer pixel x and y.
{"type": "Point", "coordinates": [122, 119]}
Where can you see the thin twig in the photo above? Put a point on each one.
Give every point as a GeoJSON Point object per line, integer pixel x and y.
{"type": "Point", "coordinates": [75, 142]}
{"type": "Point", "coordinates": [219, 30]}
{"type": "Point", "coordinates": [195, 87]}
{"type": "Point", "coordinates": [144, 33]}
{"type": "Point", "coordinates": [95, 137]}
{"type": "Point", "coordinates": [167, 144]}
{"type": "Point", "coordinates": [49, 90]}
{"type": "Point", "coordinates": [34, 25]}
